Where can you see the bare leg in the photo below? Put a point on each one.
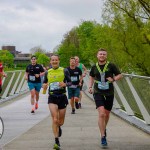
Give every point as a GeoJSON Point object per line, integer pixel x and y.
{"type": "Point", "coordinates": [54, 114]}
{"type": "Point", "coordinates": [32, 96]}
{"type": "Point", "coordinates": [72, 102]}
{"type": "Point", "coordinates": [102, 120]}
{"type": "Point", "coordinates": [37, 96]}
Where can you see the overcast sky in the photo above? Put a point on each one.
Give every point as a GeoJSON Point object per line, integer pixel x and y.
{"type": "Point", "coordinates": [29, 23]}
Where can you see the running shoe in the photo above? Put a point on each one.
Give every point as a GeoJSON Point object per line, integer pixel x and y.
{"type": "Point", "coordinates": [103, 141]}
{"type": "Point", "coordinates": [60, 132]}
{"type": "Point", "coordinates": [36, 106]}
{"type": "Point", "coordinates": [32, 111]}
{"type": "Point", "coordinates": [73, 111]}
{"type": "Point", "coordinates": [77, 105]}
{"type": "Point", "coordinates": [80, 105]}
{"type": "Point", "coordinates": [56, 146]}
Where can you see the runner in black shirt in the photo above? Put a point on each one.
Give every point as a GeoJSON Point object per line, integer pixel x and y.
{"type": "Point", "coordinates": [33, 75]}
{"type": "Point", "coordinates": [102, 75]}
{"type": "Point", "coordinates": [74, 89]}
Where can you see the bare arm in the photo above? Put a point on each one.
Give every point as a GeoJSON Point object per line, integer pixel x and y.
{"type": "Point", "coordinates": [26, 76]}
{"type": "Point", "coordinates": [91, 81]}
{"type": "Point", "coordinates": [85, 70]}
{"type": "Point", "coordinates": [118, 77]}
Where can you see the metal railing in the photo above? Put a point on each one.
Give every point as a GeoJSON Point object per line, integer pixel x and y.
{"type": "Point", "coordinates": [132, 95]}
{"type": "Point", "coordinates": [13, 85]}
{"type": "Point", "coordinates": [132, 92]}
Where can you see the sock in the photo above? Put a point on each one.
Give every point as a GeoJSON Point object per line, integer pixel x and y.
{"type": "Point", "coordinates": [57, 141]}
{"type": "Point", "coordinates": [32, 107]}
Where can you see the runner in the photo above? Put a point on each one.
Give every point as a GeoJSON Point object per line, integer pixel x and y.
{"type": "Point", "coordinates": [74, 89]}
{"type": "Point", "coordinates": [57, 78]}
{"type": "Point", "coordinates": [84, 71]}
{"type": "Point", "coordinates": [102, 75]}
{"type": "Point", "coordinates": [2, 74]}
{"type": "Point", "coordinates": [33, 75]}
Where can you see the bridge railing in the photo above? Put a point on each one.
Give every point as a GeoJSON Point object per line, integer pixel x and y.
{"type": "Point", "coordinates": [13, 85]}
{"type": "Point", "coordinates": [132, 94]}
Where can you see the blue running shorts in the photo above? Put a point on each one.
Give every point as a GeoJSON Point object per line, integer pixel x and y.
{"type": "Point", "coordinates": [36, 86]}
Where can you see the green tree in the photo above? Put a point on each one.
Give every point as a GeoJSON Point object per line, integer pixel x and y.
{"type": "Point", "coordinates": [130, 21]}
{"type": "Point", "coordinates": [7, 58]}
{"type": "Point", "coordinates": [37, 49]}
{"type": "Point", "coordinates": [42, 59]}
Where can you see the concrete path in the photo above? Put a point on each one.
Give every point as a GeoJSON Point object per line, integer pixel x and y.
{"type": "Point", "coordinates": [17, 117]}
{"type": "Point", "coordinates": [80, 131]}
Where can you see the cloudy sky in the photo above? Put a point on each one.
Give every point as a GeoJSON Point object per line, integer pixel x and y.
{"type": "Point", "coordinates": [29, 23]}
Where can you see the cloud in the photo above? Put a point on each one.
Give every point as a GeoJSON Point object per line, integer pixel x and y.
{"type": "Point", "coordinates": [26, 24]}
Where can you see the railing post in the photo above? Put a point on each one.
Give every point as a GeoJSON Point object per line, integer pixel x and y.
{"type": "Point", "coordinates": [15, 85]}
{"type": "Point", "coordinates": [19, 87]}
{"type": "Point", "coordinates": [123, 100]}
{"type": "Point", "coordinates": [143, 110]}
{"type": "Point", "coordinates": [8, 86]}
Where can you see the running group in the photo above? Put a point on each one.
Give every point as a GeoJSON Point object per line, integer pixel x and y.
{"type": "Point", "coordinates": [58, 80]}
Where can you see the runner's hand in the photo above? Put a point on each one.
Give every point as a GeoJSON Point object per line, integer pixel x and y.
{"type": "Point", "coordinates": [62, 84]}
{"type": "Point", "coordinates": [90, 90]}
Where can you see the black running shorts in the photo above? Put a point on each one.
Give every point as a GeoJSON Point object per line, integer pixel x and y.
{"type": "Point", "coordinates": [106, 101]}
{"type": "Point", "coordinates": [60, 100]}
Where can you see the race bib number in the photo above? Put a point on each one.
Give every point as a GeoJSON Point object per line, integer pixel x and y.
{"type": "Point", "coordinates": [54, 86]}
{"type": "Point", "coordinates": [103, 85]}
{"type": "Point", "coordinates": [31, 78]}
{"type": "Point", "coordinates": [73, 86]}
{"type": "Point", "coordinates": [74, 78]}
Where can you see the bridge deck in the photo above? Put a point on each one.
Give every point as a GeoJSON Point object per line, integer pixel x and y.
{"type": "Point", "coordinates": [80, 131]}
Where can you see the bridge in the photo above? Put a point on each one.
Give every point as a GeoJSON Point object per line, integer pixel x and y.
{"type": "Point", "coordinates": [129, 126]}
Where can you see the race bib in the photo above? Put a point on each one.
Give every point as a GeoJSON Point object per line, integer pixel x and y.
{"type": "Point", "coordinates": [74, 78]}
{"type": "Point", "coordinates": [103, 85]}
{"type": "Point", "coordinates": [31, 78]}
{"type": "Point", "coordinates": [73, 86]}
{"type": "Point", "coordinates": [54, 86]}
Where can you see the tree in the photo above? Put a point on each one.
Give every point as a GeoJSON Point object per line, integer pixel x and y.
{"type": "Point", "coordinates": [130, 21]}
{"type": "Point", "coordinates": [42, 59]}
{"type": "Point", "coordinates": [37, 49]}
{"type": "Point", "coordinates": [7, 58]}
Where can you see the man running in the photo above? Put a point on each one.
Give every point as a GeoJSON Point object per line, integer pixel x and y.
{"type": "Point", "coordinates": [74, 89]}
{"type": "Point", "coordinates": [57, 78]}
{"type": "Point", "coordinates": [33, 75]}
{"type": "Point", "coordinates": [84, 71]}
{"type": "Point", "coordinates": [102, 75]}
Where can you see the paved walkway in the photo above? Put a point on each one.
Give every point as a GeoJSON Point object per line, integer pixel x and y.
{"type": "Point", "coordinates": [80, 131]}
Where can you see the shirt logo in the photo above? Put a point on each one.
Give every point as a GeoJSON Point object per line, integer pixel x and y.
{"type": "Point", "coordinates": [1, 127]}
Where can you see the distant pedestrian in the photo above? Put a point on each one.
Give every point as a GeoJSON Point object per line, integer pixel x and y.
{"type": "Point", "coordinates": [33, 75]}
{"type": "Point", "coordinates": [2, 74]}
{"type": "Point", "coordinates": [57, 78]}
{"type": "Point", "coordinates": [102, 75]}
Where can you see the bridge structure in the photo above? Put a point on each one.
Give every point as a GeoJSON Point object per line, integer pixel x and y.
{"type": "Point", "coordinates": [129, 126]}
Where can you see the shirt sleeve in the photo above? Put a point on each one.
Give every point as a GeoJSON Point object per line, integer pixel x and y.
{"type": "Point", "coordinates": [45, 77]}
{"type": "Point", "coordinates": [67, 79]}
{"type": "Point", "coordinates": [41, 69]}
{"type": "Point", "coordinates": [116, 71]}
{"type": "Point", "coordinates": [92, 72]}
{"type": "Point", "coordinates": [27, 70]}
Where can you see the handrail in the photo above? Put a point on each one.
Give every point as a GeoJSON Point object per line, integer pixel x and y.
{"type": "Point", "coordinates": [13, 85]}
{"type": "Point", "coordinates": [131, 95]}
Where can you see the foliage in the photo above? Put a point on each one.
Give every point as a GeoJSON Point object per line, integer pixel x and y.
{"type": "Point", "coordinates": [125, 33]}
{"type": "Point", "coordinates": [42, 58]}
{"type": "Point", "coordinates": [7, 58]}
{"type": "Point", "coordinates": [37, 49]}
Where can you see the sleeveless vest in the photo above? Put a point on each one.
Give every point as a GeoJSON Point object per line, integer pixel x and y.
{"type": "Point", "coordinates": [55, 75]}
